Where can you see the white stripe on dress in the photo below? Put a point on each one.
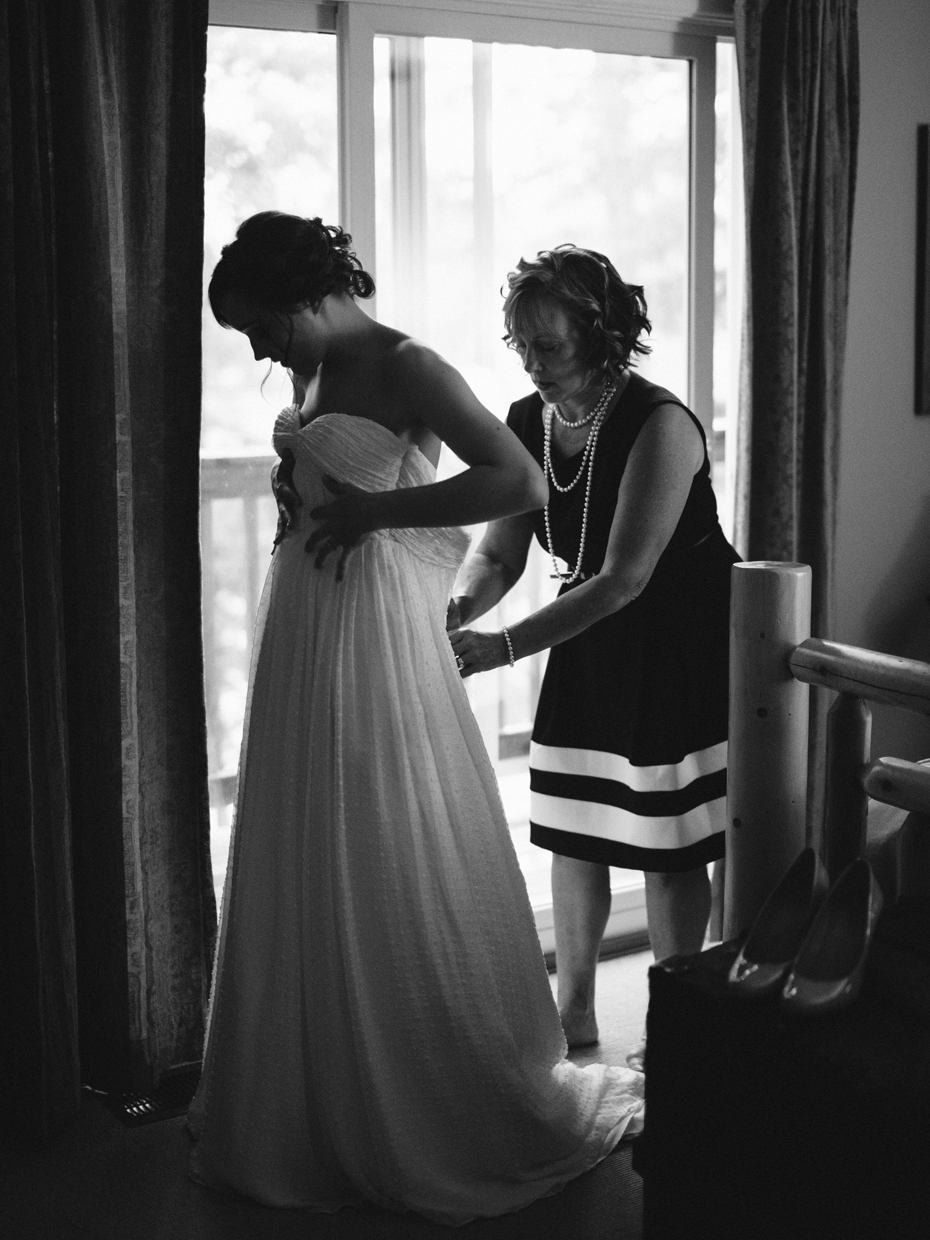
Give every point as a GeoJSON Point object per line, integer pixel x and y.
{"type": "Point", "coordinates": [599, 764]}
{"type": "Point", "coordinates": [607, 822]}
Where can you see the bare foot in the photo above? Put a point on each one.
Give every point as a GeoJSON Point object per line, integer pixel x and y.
{"type": "Point", "coordinates": [580, 1027]}
{"type": "Point", "coordinates": [636, 1056]}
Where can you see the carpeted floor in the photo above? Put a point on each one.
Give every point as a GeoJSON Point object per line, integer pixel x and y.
{"type": "Point", "coordinates": [104, 1181]}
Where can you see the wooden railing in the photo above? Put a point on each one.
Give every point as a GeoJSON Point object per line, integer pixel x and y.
{"type": "Point", "coordinates": [773, 660]}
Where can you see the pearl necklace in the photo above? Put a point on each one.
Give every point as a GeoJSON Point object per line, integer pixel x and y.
{"type": "Point", "coordinates": [592, 412]}
{"type": "Point", "coordinates": [596, 417]}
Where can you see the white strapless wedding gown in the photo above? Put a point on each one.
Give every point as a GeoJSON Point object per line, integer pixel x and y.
{"type": "Point", "coordinates": [382, 1025]}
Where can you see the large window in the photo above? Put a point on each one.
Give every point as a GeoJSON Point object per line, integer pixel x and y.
{"type": "Point", "coordinates": [487, 152]}
{"type": "Point", "coordinates": [450, 145]}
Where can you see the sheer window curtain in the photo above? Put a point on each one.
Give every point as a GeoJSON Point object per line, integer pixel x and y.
{"type": "Point", "coordinates": [107, 914]}
{"type": "Point", "coordinates": [799, 90]}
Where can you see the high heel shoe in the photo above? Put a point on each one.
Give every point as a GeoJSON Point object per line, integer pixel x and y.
{"type": "Point", "coordinates": [826, 975]}
{"type": "Point", "coordinates": [779, 928]}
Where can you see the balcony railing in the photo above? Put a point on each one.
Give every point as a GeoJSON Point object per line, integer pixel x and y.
{"type": "Point", "coordinates": [237, 522]}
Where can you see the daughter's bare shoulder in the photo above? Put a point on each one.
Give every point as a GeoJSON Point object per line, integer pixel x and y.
{"type": "Point", "coordinates": [410, 360]}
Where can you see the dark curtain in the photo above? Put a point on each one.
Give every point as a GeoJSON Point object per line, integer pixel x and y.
{"type": "Point", "coordinates": [105, 892]}
{"type": "Point", "coordinates": [799, 92]}
{"type": "Point", "coordinates": [38, 1007]}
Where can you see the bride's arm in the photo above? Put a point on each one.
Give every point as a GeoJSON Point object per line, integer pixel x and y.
{"type": "Point", "coordinates": [501, 480]}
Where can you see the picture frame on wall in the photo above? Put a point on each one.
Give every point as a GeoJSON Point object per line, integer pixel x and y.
{"type": "Point", "coordinates": [922, 317]}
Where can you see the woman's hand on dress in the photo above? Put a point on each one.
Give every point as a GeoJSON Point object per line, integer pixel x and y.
{"type": "Point", "coordinates": [478, 652]}
{"type": "Point", "coordinates": [343, 524]}
{"type": "Point", "coordinates": [453, 616]}
{"type": "Point", "coordinates": [285, 494]}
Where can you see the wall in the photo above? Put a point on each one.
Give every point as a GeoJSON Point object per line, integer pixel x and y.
{"type": "Point", "coordinates": [883, 542]}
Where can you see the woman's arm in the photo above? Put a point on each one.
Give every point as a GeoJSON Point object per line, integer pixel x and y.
{"type": "Point", "coordinates": [495, 567]}
{"type": "Point", "coordinates": [663, 461]}
{"type": "Point", "coordinates": [501, 480]}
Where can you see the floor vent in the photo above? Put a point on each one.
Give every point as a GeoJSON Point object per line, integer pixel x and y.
{"type": "Point", "coordinates": [170, 1099]}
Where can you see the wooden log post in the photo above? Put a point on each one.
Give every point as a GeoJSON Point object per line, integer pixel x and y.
{"type": "Point", "coordinates": [846, 808]}
{"type": "Point", "coordinates": [864, 673]}
{"type": "Point", "coordinates": [906, 785]}
{"type": "Point", "coordinates": [897, 782]}
{"type": "Point", "coordinates": [770, 610]}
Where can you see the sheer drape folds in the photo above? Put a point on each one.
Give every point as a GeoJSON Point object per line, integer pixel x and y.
{"type": "Point", "coordinates": [104, 789]}
{"type": "Point", "coordinates": [799, 92]}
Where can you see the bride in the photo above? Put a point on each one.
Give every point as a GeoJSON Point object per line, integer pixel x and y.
{"type": "Point", "coordinates": [381, 1025]}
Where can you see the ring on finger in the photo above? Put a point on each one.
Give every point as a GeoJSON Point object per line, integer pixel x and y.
{"type": "Point", "coordinates": [459, 662]}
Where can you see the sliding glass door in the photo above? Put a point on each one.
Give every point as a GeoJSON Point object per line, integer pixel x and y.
{"type": "Point", "coordinates": [450, 144]}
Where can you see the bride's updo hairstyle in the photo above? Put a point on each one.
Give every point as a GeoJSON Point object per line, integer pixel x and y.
{"type": "Point", "coordinates": [283, 263]}
{"type": "Point", "coordinates": [609, 315]}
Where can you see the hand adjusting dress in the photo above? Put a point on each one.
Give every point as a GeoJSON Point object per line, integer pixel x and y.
{"type": "Point", "coordinates": [629, 749]}
{"type": "Point", "coordinates": [381, 1025]}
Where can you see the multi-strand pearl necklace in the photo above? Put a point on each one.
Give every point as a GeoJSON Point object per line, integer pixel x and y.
{"type": "Point", "coordinates": [588, 417]}
{"type": "Point", "coordinates": [596, 417]}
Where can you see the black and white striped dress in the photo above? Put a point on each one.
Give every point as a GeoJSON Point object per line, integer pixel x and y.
{"type": "Point", "coordinates": [628, 755]}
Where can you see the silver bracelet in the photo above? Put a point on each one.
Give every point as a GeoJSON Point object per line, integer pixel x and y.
{"type": "Point", "coordinates": [506, 633]}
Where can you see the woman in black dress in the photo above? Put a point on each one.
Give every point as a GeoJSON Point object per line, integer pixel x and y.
{"type": "Point", "coordinates": [628, 755]}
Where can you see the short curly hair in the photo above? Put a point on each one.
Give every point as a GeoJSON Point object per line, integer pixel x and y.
{"type": "Point", "coordinates": [609, 315]}
{"type": "Point", "coordinates": [284, 262]}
